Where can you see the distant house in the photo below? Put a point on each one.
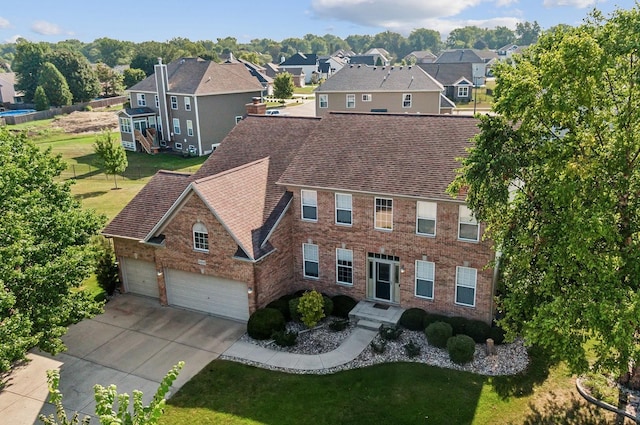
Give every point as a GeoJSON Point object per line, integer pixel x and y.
{"type": "Point", "coordinates": [260, 72]}
{"type": "Point", "coordinates": [361, 88]}
{"type": "Point", "coordinates": [8, 94]}
{"type": "Point", "coordinates": [420, 56]}
{"type": "Point", "coordinates": [298, 75]}
{"type": "Point", "coordinates": [507, 52]}
{"type": "Point", "coordinates": [188, 106]}
{"type": "Point", "coordinates": [480, 60]}
{"type": "Point", "coordinates": [329, 65]}
{"type": "Point", "coordinates": [379, 57]}
{"type": "Point", "coordinates": [457, 79]}
{"type": "Point", "coordinates": [307, 63]}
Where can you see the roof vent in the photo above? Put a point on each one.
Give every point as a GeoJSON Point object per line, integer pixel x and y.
{"type": "Point", "coordinates": [374, 68]}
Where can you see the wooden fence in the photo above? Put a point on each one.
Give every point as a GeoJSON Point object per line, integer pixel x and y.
{"type": "Point", "coordinates": [52, 112]}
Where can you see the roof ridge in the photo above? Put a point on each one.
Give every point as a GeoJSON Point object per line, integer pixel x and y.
{"type": "Point", "coordinates": [231, 170]}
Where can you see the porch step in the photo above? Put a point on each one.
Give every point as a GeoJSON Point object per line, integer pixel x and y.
{"type": "Point", "coordinates": [369, 324]}
{"type": "Point", "coordinates": [387, 315]}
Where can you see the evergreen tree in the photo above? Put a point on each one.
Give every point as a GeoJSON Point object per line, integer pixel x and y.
{"type": "Point", "coordinates": [55, 85]}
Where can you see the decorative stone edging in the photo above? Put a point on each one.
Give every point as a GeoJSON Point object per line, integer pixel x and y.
{"type": "Point", "coordinates": [585, 394]}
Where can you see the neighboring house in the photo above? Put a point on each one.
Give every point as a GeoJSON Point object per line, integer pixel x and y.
{"type": "Point", "coordinates": [352, 204]}
{"type": "Point", "coordinates": [372, 57]}
{"type": "Point", "coordinates": [8, 94]}
{"type": "Point", "coordinates": [361, 88]}
{"type": "Point", "coordinates": [457, 79]}
{"type": "Point", "coordinates": [298, 75]}
{"type": "Point", "coordinates": [480, 60]}
{"type": "Point", "coordinates": [420, 56]}
{"type": "Point", "coordinates": [329, 65]}
{"type": "Point", "coordinates": [188, 106]}
{"type": "Point", "coordinates": [505, 53]}
{"type": "Point", "coordinates": [259, 72]}
{"type": "Point", "coordinates": [308, 63]}
{"type": "Point", "coordinates": [378, 52]}
{"type": "Point", "coordinates": [271, 70]}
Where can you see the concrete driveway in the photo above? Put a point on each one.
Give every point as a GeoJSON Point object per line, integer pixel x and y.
{"type": "Point", "coordinates": [132, 345]}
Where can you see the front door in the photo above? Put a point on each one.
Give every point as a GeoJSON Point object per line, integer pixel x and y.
{"type": "Point", "coordinates": [140, 125]}
{"type": "Point", "coordinates": [383, 280]}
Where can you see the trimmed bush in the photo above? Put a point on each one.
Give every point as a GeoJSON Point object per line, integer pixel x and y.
{"type": "Point", "coordinates": [327, 305]}
{"type": "Point", "coordinates": [438, 333]}
{"type": "Point", "coordinates": [285, 338]}
{"type": "Point", "coordinates": [378, 347]}
{"type": "Point", "coordinates": [496, 333]}
{"type": "Point", "coordinates": [461, 349]}
{"type": "Point", "coordinates": [390, 333]}
{"type": "Point", "coordinates": [430, 318]}
{"type": "Point", "coordinates": [412, 349]}
{"type": "Point", "coordinates": [342, 305]}
{"type": "Point", "coordinates": [311, 308]}
{"type": "Point", "coordinates": [458, 324]}
{"type": "Point", "coordinates": [282, 305]}
{"type": "Point", "coordinates": [478, 330]}
{"type": "Point", "coordinates": [264, 322]}
{"type": "Point", "coordinates": [413, 319]}
{"type": "Point", "coordinates": [339, 325]}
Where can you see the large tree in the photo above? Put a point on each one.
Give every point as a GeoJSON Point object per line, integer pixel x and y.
{"type": "Point", "coordinates": [424, 39]}
{"type": "Point", "coordinates": [55, 85]}
{"type": "Point", "coordinates": [45, 249]}
{"type": "Point", "coordinates": [112, 82]}
{"type": "Point", "coordinates": [556, 176]}
{"type": "Point", "coordinates": [283, 86]}
{"type": "Point", "coordinates": [77, 70]}
{"type": "Point", "coordinates": [27, 63]}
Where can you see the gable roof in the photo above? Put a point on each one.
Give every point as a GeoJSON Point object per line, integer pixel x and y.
{"type": "Point", "coordinates": [197, 76]}
{"type": "Point", "coordinates": [448, 73]}
{"type": "Point", "coordinates": [363, 59]}
{"type": "Point", "coordinates": [300, 59]}
{"type": "Point", "coordinates": [466, 56]}
{"type": "Point", "coordinates": [379, 79]}
{"type": "Point", "coordinates": [421, 55]}
{"type": "Point", "coordinates": [409, 155]}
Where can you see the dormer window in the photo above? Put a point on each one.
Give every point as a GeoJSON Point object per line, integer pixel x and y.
{"type": "Point", "coordinates": [200, 237]}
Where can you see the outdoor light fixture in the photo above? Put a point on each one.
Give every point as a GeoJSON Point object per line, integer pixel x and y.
{"type": "Point", "coordinates": [401, 269]}
{"type": "Point", "coordinates": [250, 291]}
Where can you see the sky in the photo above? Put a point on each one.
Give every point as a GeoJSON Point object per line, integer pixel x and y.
{"type": "Point", "coordinates": [162, 20]}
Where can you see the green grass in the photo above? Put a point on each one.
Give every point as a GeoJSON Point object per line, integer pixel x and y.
{"type": "Point", "coordinates": [308, 89]}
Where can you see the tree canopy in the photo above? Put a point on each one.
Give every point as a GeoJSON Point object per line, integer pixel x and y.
{"type": "Point", "coordinates": [110, 155]}
{"type": "Point", "coordinates": [77, 71]}
{"type": "Point", "coordinates": [45, 248]}
{"type": "Point", "coordinates": [283, 85]}
{"type": "Point", "coordinates": [556, 177]}
{"type": "Point", "coordinates": [55, 85]}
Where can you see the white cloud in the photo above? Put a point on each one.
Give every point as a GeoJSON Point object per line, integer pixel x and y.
{"type": "Point", "coordinates": [46, 28]}
{"type": "Point", "coordinates": [572, 3]}
{"type": "Point", "coordinates": [445, 26]}
{"type": "Point", "coordinates": [13, 39]}
{"type": "Point", "coordinates": [4, 23]}
{"type": "Point", "coordinates": [503, 3]}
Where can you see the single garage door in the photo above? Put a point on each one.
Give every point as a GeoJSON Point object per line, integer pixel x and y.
{"type": "Point", "coordinates": [214, 295]}
{"type": "Point", "coordinates": [140, 277]}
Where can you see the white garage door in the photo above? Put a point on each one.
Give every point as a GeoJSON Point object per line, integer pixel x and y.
{"type": "Point", "coordinates": [221, 297]}
{"type": "Point", "coordinates": [140, 277]}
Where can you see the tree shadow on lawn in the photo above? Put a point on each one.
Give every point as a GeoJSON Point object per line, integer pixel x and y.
{"type": "Point", "coordinates": [577, 412]}
{"type": "Point", "coordinates": [524, 383]}
{"type": "Point", "coordinates": [95, 194]}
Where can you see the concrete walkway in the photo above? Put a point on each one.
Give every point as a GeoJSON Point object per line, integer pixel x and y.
{"type": "Point", "coordinates": [351, 348]}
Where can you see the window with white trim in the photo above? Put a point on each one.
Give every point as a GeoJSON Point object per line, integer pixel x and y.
{"type": "Point", "coordinates": [343, 209]}
{"type": "Point", "coordinates": [174, 102]}
{"type": "Point", "coordinates": [351, 101]}
{"type": "Point", "coordinates": [406, 100]}
{"type": "Point", "coordinates": [309, 199]}
{"type": "Point", "coordinates": [463, 91]}
{"type": "Point", "coordinates": [176, 126]}
{"type": "Point", "coordinates": [125, 125]}
{"type": "Point", "coordinates": [142, 100]}
{"type": "Point", "coordinates": [366, 97]}
{"type": "Point", "coordinates": [425, 276]}
{"type": "Point", "coordinates": [200, 237]}
{"type": "Point", "coordinates": [426, 218]}
{"type": "Point", "coordinates": [157, 101]}
{"type": "Point", "coordinates": [189, 128]}
{"type": "Point", "coordinates": [323, 100]}
{"type": "Point", "coordinates": [384, 214]}
{"type": "Point", "coordinates": [310, 260]}
{"type": "Point", "coordinates": [466, 279]}
{"type": "Point", "coordinates": [344, 266]}
{"type": "Point", "coordinates": [468, 227]}
{"type": "Point", "coordinates": [178, 146]}
{"type": "Point", "coordinates": [187, 103]}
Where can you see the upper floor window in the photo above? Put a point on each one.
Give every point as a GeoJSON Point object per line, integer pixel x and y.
{"type": "Point", "coordinates": [125, 125]}
{"type": "Point", "coordinates": [310, 260]}
{"type": "Point", "coordinates": [343, 208]}
{"type": "Point", "coordinates": [176, 126]}
{"type": "Point", "coordinates": [406, 100]}
{"type": "Point", "coordinates": [426, 218]}
{"type": "Point", "coordinates": [351, 101]}
{"type": "Point", "coordinates": [157, 101]}
{"type": "Point", "coordinates": [384, 214]}
{"type": "Point", "coordinates": [187, 104]}
{"type": "Point", "coordinates": [344, 266]}
{"type": "Point", "coordinates": [425, 271]}
{"type": "Point", "coordinates": [174, 102]}
{"type": "Point", "coordinates": [468, 227]}
{"type": "Point", "coordinates": [323, 100]}
{"type": "Point", "coordinates": [366, 98]}
{"type": "Point", "coordinates": [463, 91]}
{"type": "Point", "coordinates": [466, 279]}
{"type": "Point", "coordinates": [142, 100]}
{"type": "Point", "coordinates": [309, 204]}
{"type": "Point", "coordinates": [189, 128]}
{"type": "Point", "coordinates": [200, 237]}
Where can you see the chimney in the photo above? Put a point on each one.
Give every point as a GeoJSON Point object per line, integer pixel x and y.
{"type": "Point", "coordinates": [256, 107]}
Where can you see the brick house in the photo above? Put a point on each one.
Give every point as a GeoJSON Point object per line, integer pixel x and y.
{"type": "Point", "coordinates": [351, 203]}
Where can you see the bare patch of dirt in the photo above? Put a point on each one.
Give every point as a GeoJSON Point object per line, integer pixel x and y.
{"type": "Point", "coordinates": [87, 122]}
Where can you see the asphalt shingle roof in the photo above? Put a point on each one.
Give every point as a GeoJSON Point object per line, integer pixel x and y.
{"type": "Point", "coordinates": [448, 73]}
{"type": "Point", "coordinates": [379, 79]}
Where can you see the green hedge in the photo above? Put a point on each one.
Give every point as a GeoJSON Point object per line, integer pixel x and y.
{"type": "Point", "coordinates": [264, 322]}
{"type": "Point", "coordinates": [438, 333]}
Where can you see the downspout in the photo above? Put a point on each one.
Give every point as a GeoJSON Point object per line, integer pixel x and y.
{"type": "Point", "coordinates": [195, 107]}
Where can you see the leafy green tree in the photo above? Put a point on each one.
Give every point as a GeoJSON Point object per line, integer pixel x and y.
{"type": "Point", "coordinates": [113, 52]}
{"type": "Point", "coordinates": [27, 63]}
{"type": "Point", "coordinates": [111, 81]}
{"type": "Point", "coordinates": [283, 86]}
{"type": "Point", "coordinates": [111, 156]}
{"type": "Point", "coordinates": [55, 85]}
{"type": "Point", "coordinates": [106, 267]}
{"type": "Point", "coordinates": [499, 37]}
{"type": "Point", "coordinates": [132, 76]}
{"type": "Point", "coordinates": [77, 71]}
{"type": "Point", "coordinates": [556, 177]}
{"type": "Point", "coordinates": [424, 39]}
{"type": "Point", "coordinates": [527, 32]}
{"type": "Point", "coordinates": [45, 247]}
{"type": "Point", "coordinates": [41, 100]}
{"type": "Point", "coordinates": [392, 42]}
{"type": "Point", "coordinates": [465, 37]}
{"type": "Point", "coordinates": [359, 43]}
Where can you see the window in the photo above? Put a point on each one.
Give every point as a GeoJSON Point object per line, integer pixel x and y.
{"type": "Point", "coordinates": [463, 91]}
{"type": "Point", "coordinates": [187, 104]}
{"type": "Point", "coordinates": [366, 98]}
{"type": "Point", "coordinates": [343, 208]}
{"type": "Point", "coordinates": [309, 205]}
{"type": "Point", "coordinates": [125, 125]}
{"type": "Point", "coordinates": [468, 227]}
{"type": "Point", "coordinates": [174, 102]}
{"type": "Point", "coordinates": [200, 237]}
{"type": "Point", "coordinates": [344, 266]}
{"type": "Point", "coordinates": [176, 126]}
{"type": "Point", "coordinates": [406, 100]}
{"type": "Point", "coordinates": [426, 218]}
{"type": "Point", "coordinates": [157, 101]}
{"type": "Point", "coordinates": [189, 128]}
{"type": "Point", "coordinates": [142, 100]}
{"type": "Point", "coordinates": [384, 214]}
{"type": "Point", "coordinates": [425, 271]}
{"type": "Point", "coordinates": [466, 278]}
{"type": "Point", "coordinates": [310, 260]}
{"type": "Point", "coordinates": [323, 100]}
{"type": "Point", "coordinates": [178, 146]}
{"type": "Point", "coordinates": [351, 101]}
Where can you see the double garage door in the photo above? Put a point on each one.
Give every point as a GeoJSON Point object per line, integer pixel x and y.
{"type": "Point", "coordinates": [208, 294]}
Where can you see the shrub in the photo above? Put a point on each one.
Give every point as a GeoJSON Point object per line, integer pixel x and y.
{"type": "Point", "coordinates": [285, 338]}
{"type": "Point", "coordinates": [461, 349]}
{"type": "Point", "coordinates": [390, 333]}
{"type": "Point", "coordinates": [430, 318]}
{"type": "Point", "coordinates": [413, 319]}
{"type": "Point", "coordinates": [264, 322]}
{"type": "Point", "coordinates": [106, 268]}
{"type": "Point", "coordinates": [438, 333]}
{"type": "Point", "coordinates": [458, 324]}
{"type": "Point", "coordinates": [88, 108]}
{"type": "Point", "coordinates": [327, 305]}
{"type": "Point", "coordinates": [293, 309]}
{"type": "Point", "coordinates": [339, 325]}
{"type": "Point", "coordinates": [496, 333]}
{"type": "Point", "coordinates": [311, 308]}
{"type": "Point", "coordinates": [342, 305]}
{"type": "Point", "coordinates": [283, 306]}
{"type": "Point", "coordinates": [478, 330]}
{"type": "Point", "coordinates": [412, 349]}
{"type": "Point", "coordinates": [379, 346]}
